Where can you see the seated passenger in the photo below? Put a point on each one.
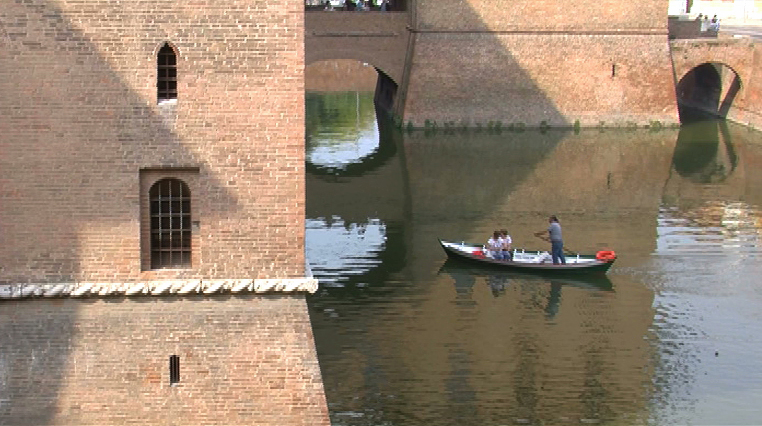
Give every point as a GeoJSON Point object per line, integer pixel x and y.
{"type": "Point", "coordinates": [507, 245]}
{"type": "Point", "coordinates": [495, 246]}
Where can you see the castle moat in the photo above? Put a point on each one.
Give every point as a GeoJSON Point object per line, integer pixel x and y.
{"type": "Point", "coordinates": [671, 336]}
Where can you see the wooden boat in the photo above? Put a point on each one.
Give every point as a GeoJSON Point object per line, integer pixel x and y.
{"type": "Point", "coordinates": [531, 260]}
{"type": "Point", "coordinates": [462, 271]}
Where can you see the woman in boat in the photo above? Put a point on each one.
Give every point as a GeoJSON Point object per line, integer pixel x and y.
{"type": "Point", "coordinates": [495, 246]}
{"type": "Point", "coordinates": [507, 243]}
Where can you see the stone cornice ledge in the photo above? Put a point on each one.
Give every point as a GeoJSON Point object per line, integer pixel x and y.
{"type": "Point", "coordinates": [158, 288]}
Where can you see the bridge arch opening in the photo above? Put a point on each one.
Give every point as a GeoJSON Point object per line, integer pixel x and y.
{"type": "Point", "coordinates": [352, 74]}
{"type": "Point", "coordinates": [707, 92]}
{"type": "Point", "coordinates": [346, 102]}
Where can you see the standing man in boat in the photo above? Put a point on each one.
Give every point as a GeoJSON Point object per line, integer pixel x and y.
{"type": "Point", "coordinates": [556, 241]}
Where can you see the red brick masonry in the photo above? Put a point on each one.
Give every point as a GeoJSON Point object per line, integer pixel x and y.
{"type": "Point", "coordinates": [244, 360]}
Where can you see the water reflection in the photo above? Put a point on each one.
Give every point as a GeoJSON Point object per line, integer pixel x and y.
{"type": "Point", "coordinates": [343, 134]}
{"type": "Point", "coordinates": [699, 213]}
{"type": "Point", "coordinates": [713, 227]}
{"type": "Point", "coordinates": [671, 335]}
{"type": "Point", "coordinates": [465, 273]}
{"type": "Point", "coordinates": [704, 152]}
{"type": "Point", "coordinates": [465, 277]}
{"type": "Point", "coordinates": [338, 251]}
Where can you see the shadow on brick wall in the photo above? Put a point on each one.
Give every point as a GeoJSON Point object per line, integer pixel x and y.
{"type": "Point", "coordinates": [75, 134]}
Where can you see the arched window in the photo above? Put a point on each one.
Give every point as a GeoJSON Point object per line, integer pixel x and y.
{"type": "Point", "coordinates": [170, 224]}
{"type": "Point", "coordinates": [166, 81]}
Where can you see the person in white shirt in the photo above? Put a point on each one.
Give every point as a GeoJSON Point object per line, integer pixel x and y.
{"type": "Point", "coordinates": [714, 25]}
{"type": "Point", "coordinates": [495, 246]}
{"type": "Point", "coordinates": [507, 243]}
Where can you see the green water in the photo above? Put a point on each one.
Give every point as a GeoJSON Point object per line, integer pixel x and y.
{"type": "Point", "coordinates": [671, 336]}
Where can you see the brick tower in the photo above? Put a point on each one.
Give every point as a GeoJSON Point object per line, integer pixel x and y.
{"type": "Point", "coordinates": [152, 263]}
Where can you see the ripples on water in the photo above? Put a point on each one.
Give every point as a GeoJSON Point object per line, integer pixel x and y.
{"type": "Point", "coordinates": [671, 336]}
{"type": "Point", "coordinates": [706, 322]}
{"type": "Point", "coordinates": [716, 227]}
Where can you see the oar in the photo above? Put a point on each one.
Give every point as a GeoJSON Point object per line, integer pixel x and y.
{"type": "Point", "coordinates": [541, 236]}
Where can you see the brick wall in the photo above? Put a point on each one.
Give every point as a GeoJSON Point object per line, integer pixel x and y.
{"type": "Point", "coordinates": [533, 61]}
{"type": "Point", "coordinates": [684, 28]}
{"type": "Point", "coordinates": [542, 15]}
{"type": "Point", "coordinates": [246, 360]}
{"type": "Point", "coordinates": [83, 137]}
{"type": "Point", "coordinates": [340, 75]}
{"type": "Point", "coordinates": [530, 78]}
{"type": "Point", "coordinates": [377, 38]}
{"type": "Point", "coordinates": [79, 119]}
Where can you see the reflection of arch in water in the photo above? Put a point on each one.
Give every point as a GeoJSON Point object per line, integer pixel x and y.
{"type": "Point", "coordinates": [704, 152]}
{"type": "Point", "coordinates": [708, 90]}
{"type": "Point", "coordinates": [386, 150]}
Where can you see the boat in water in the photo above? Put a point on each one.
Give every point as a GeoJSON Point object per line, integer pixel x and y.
{"type": "Point", "coordinates": [464, 273]}
{"type": "Point", "coordinates": [531, 260]}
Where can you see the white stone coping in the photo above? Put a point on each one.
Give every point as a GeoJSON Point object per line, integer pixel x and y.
{"type": "Point", "coordinates": [158, 288]}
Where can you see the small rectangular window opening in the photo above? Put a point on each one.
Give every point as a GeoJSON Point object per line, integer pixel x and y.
{"type": "Point", "coordinates": [613, 70]}
{"type": "Point", "coordinates": [174, 370]}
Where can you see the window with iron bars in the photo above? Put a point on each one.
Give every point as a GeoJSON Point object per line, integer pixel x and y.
{"type": "Point", "coordinates": [170, 224]}
{"type": "Point", "coordinates": [166, 81]}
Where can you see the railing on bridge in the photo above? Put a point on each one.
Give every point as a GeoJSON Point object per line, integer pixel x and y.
{"type": "Point", "coordinates": [356, 5]}
{"type": "Point", "coordinates": [682, 28]}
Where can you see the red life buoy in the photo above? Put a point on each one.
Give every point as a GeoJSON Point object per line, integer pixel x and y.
{"type": "Point", "coordinates": [478, 253]}
{"type": "Point", "coordinates": [605, 255]}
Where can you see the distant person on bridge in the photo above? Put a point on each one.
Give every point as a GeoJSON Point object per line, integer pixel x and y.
{"type": "Point", "coordinates": [384, 5]}
{"type": "Point", "coordinates": [715, 24]}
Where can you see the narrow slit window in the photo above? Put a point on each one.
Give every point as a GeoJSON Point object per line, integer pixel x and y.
{"type": "Point", "coordinates": [170, 213]}
{"type": "Point", "coordinates": [166, 81]}
{"type": "Point", "coordinates": [174, 369]}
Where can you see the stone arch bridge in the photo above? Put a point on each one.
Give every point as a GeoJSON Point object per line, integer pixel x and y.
{"type": "Point", "coordinates": [719, 77]}
{"type": "Point", "coordinates": [377, 38]}
{"type": "Point", "coordinates": [714, 76]}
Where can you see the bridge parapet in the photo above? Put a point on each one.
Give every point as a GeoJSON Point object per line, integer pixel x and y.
{"type": "Point", "coordinates": [688, 28]}
{"type": "Point", "coordinates": [378, 38]}
{"type": "Point", "coordinates": [736, 53]}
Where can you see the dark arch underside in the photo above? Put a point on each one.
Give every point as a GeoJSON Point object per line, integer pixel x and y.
{"type": "Point", "coordinates": [700, 92]}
